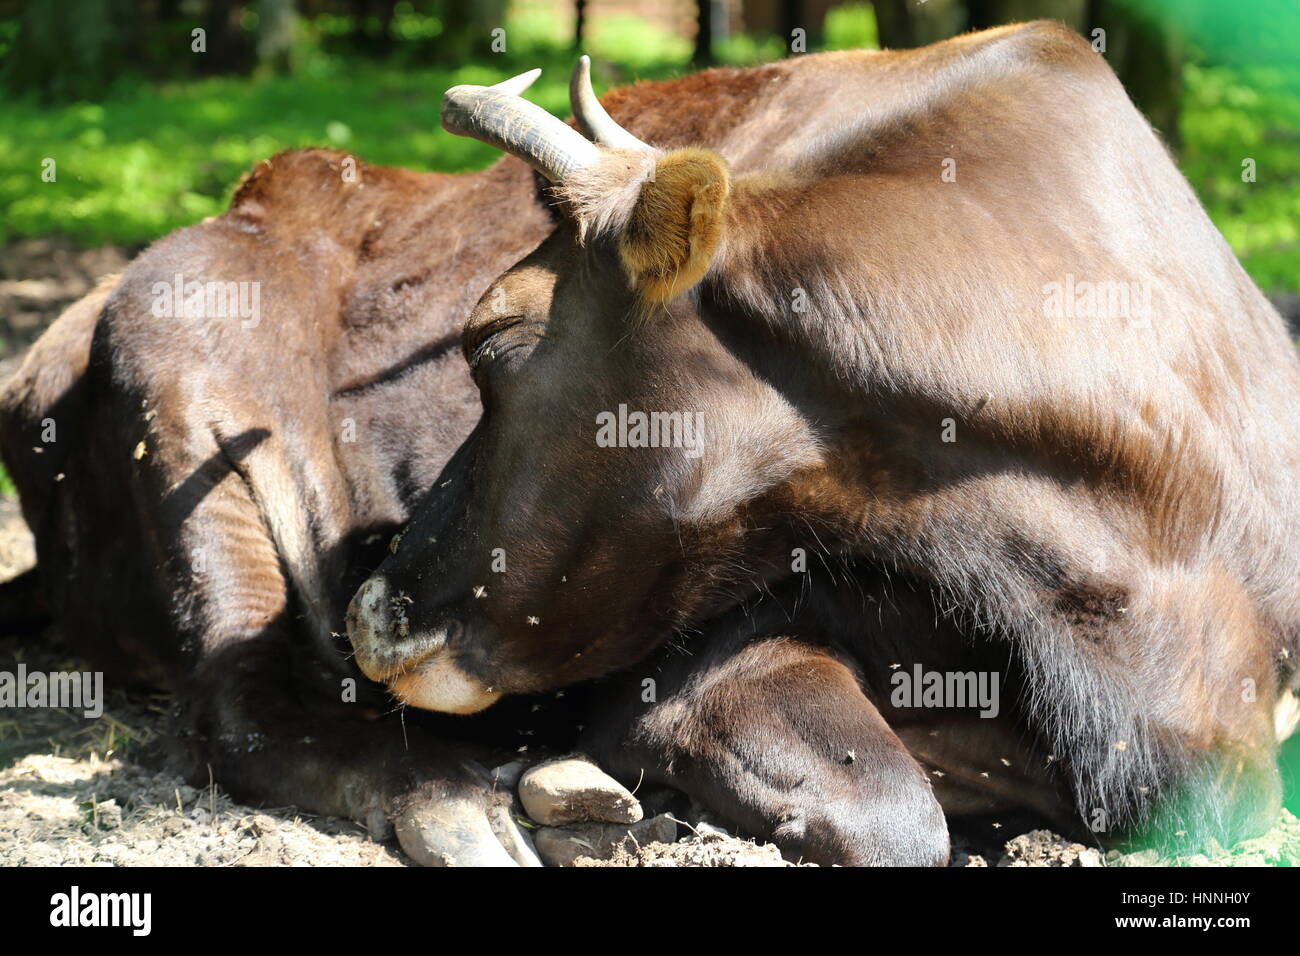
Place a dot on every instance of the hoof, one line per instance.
(461, 832)
(575, 790)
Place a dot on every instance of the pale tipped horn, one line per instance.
(591, 117)
(498, 116)
(517, 84)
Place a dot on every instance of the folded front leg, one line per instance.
(775, 737)
(252, 719)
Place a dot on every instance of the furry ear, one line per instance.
(667, 241)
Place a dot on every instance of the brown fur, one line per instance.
(219, 562)
(1105, 528)
(670, 236)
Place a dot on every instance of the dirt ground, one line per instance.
(84, 792)
(39, 278)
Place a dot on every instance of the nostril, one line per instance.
(368, 613)
(452, 630)
(438, 638)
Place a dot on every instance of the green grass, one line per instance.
(141, 163)
(1231, 114)
(1289, 761)
(148, 159)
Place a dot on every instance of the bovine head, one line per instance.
(633, 471)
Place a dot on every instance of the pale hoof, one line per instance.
(451, 832)
(575, 790)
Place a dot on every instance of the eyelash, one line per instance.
(481, 351)
(483, 347)
(485, 353)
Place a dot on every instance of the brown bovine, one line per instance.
(207, 490)
(976, 388)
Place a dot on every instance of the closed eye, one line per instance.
(478, 338)
(494, 339)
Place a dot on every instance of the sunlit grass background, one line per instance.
(148, 158)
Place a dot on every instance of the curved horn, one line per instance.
(517, 84)
(592, 119)
(498, 116)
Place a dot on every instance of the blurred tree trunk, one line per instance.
(1149, 58)
(275, 25)
(468, 26)
(702, 55)
(791, 19)
(983, 14)
(894, 24)
(376, 39)
(579, 22)
(908, 23)
(794, 14)
(64, 51)
(229, 49)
